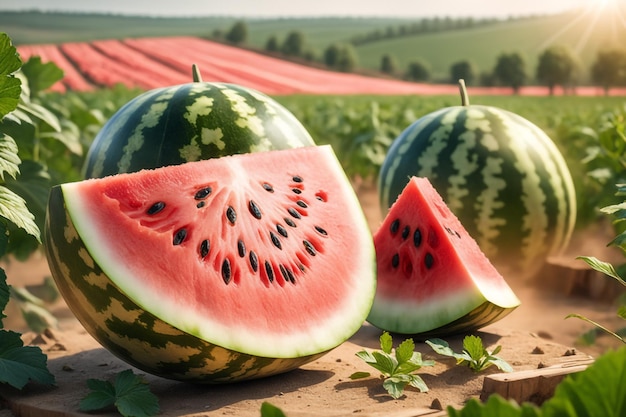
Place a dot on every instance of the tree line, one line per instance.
(557, 65)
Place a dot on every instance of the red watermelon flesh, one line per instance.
(433, 279)
(267, 254)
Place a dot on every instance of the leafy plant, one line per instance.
(596, 391)
(474, 354)
(397, 369)
(19, 364)
(270, 410)
(618, 211)
(128, 393)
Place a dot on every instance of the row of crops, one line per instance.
(591, 132)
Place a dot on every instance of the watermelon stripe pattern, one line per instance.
(500, 174)
(133, 334)
(191, 122)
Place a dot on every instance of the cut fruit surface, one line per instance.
(433, 279)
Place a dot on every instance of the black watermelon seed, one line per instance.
(291, 276)
(254, 261)
(321, 230)
(289, 222)
(155, 208)
(268, 187)
(275, 240)
(241, 248)
(200, 204)
(231, 214)
(205, 246)
(309, 248)
(395, 261)
(254, 209)
(301, 204)
(297, 178)
(296, 190)
(405, 232)
(429, 260)
(202, 193)
(395, 226)
(283, 272)
(226, 271)
(281, 230)
(294, 213)
(417, 237)
(179, 236)
(301, 267)
(270, 271)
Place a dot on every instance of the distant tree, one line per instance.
(465, 70)
(388, 64)
(218, 34)
(418, 70)
(272, 44)
(556, 66)
(510, 70)
(609, 68)
(342, 57)
(294, 44)
(238, 33)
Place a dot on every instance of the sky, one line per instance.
(293, 8)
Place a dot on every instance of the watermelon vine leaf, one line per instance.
(397, 369)
(270, 410)
(20, 364)
(474, 354)
(129, 393)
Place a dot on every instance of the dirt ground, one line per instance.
(535, 335)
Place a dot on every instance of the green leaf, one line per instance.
(500, 364)
(33, 185)
(473, 345)
(598, 325)
(269, 410)
(601, 266)
(20, 364)
(9, 161)
(13, 208)
(360, 375)
(384, 363)
(386, 342)
(41, 75)
(41, 113)
(418, 382)
(496, 406)
(404, 351)
(394, 386)
(10, 86)
(597, 391)
(129, 393)
(440, 346)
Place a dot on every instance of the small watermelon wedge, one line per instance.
(220, 270)
(433, 279)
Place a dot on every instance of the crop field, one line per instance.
(148, 63)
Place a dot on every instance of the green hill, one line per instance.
(583, 32)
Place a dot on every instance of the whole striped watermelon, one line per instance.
(190, 122)
(500, 174)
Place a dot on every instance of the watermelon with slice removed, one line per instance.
(433, 279)
(220, 270)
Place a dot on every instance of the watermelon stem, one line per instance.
(463, 91)
(195, 71)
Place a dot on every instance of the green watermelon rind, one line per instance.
(191, 122)
(330, 334)
(473, 181)
(449, 314)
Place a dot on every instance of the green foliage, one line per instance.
(510, 70)
(129, 393)
(397, 369)
(557, 66)
(609, 68)
(596, 391)
(474, 354)
(270, 410)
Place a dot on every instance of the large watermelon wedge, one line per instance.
(433, 279)
(219, 270)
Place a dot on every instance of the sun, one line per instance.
(603, 4)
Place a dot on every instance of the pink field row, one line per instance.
(149, 63)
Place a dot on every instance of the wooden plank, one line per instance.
(536, 385)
